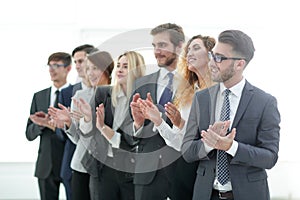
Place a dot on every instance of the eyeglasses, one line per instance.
(219, 58)
(55, 66)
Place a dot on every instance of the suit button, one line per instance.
(132, 160)
(160, 156)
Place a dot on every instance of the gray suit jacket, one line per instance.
(51, 147)
(152, 151)
(257, 124)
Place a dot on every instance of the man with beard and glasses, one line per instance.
(233, 127)
(156, 161)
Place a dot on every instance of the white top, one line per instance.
(74, 136)
(174, 136)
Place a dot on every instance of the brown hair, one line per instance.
(61, 56)
(104, 61)
(175, 31)
(188, 79)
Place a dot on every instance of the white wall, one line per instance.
(31, 30)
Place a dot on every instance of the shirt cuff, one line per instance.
(162, 127)
(136, 132)
(85, 127)
(232, 150)
(207, 148)
(115, 140)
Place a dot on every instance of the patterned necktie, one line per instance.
(55, 105)
(168, 92)
(222, 162)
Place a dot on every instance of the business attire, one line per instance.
(51, 147)
(256, 118)
(185, 172)
(155, 161)
(116, 164)
(65, 98)
(81, 178)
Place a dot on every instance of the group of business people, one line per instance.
(195, 129)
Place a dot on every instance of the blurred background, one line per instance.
(32, 30)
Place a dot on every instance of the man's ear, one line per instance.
(69, 68)
(240, 65)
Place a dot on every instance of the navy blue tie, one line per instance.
(168, 91)
(222, 162)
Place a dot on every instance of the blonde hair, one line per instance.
(136, 68)
(188, 79)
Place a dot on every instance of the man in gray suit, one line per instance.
(51, 147)
(155, 161)
(248, 139)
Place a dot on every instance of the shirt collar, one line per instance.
(163, 72)
(236, 89)
(53, 88)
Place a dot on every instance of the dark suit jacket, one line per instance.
(152, 151)
(123, 159)
(257, 123)
(51, 147)
(65, 99)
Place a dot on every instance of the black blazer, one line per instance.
(65, 99)
(123, 159)
(152, 151)
(51, 148)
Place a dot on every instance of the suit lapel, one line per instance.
(153, 90)
(244, 101)
(47, 99)
(213, 92)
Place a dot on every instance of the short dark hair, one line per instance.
(175, 31)
(240, 42)
(61, 56)
(87, 48)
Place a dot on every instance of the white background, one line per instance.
(31, 30)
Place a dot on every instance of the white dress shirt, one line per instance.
(234, 99)
(162, 82)
(53, 90)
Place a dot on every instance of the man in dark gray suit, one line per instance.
(79, 55)
(248, 139)
(51, 147)
(155, 161)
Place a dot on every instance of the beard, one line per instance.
(225, 75)
(171, 59)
